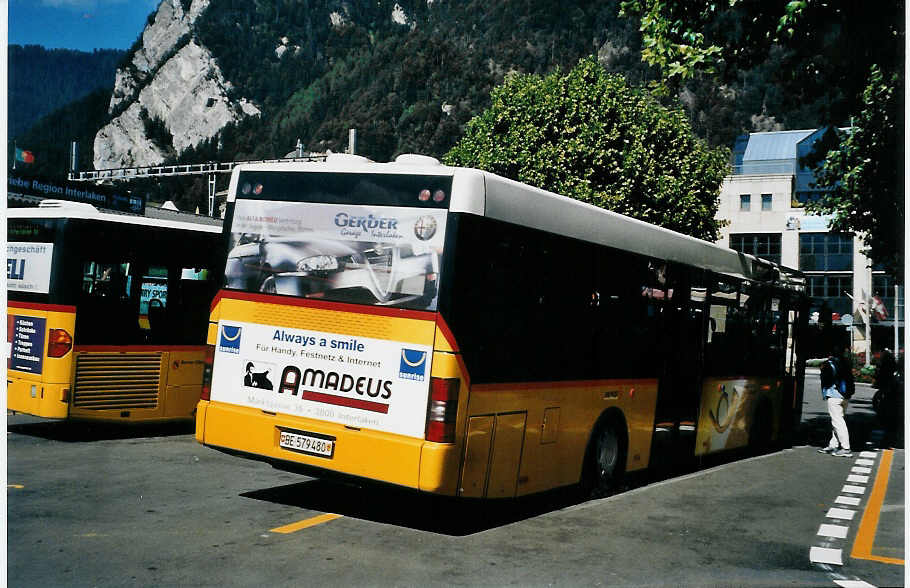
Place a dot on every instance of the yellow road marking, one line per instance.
(318, 520)
(16, 486)
(865, 536)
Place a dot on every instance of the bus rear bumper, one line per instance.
(373, 455)
(37, 398)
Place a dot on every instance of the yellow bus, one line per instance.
(462, 334)
(106, 313)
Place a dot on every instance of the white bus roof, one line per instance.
(81, 210)
(486, 194)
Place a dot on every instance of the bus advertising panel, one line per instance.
(372, 255)
(355, 381)
(28, 267)
(25, 338)
(382, 255)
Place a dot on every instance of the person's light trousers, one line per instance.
(839, 434)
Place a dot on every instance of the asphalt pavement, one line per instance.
(102, 506)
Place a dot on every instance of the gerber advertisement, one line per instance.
(380, 255)
(355, 381)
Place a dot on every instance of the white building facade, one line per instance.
(762, 203)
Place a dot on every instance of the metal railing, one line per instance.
(132, 173)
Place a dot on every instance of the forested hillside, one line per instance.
(409, 74)
(43, 80)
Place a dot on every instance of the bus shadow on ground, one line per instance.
(80, 432)
(461, 517)
(405, 508)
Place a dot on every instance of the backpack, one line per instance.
(845, 384)
(828, 372)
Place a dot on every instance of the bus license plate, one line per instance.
(308, 443)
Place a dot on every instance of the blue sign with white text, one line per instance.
(229, 341)
(413, 365)
(27, 344)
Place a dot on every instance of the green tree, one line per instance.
(865, 174)
(590, 136)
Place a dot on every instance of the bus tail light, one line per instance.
(59, 343)
(442, 410)
(209, 360)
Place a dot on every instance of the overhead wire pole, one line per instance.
(161, 171)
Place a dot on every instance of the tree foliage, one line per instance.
(591, 136)
(865, 174)
(822, 52)
(790, 63)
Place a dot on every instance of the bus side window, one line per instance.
(105, 279)
(724, 340)
(108, 308)
(627, 317)
(153, 301)
(196, 294)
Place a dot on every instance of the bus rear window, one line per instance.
(357, 253)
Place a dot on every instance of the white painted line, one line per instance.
(858, 479)
(835, 531)
(841, 513)
(859, 470)
(848, 500)
(868, 454)
(853, 489)
(853, 584)
(865, 462)
(826, 555)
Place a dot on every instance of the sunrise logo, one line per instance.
(413, 365)
(229, 342)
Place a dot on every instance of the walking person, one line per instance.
(837, 388)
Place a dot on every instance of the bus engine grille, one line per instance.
(109, 381)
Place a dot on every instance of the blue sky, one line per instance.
(78, 24)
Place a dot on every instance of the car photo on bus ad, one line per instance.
(378, 255)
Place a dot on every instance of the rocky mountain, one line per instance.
(170, 81)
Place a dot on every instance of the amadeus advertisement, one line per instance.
(380, 255)
(356, 381)
(28, 267)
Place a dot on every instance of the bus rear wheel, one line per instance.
(606, 461)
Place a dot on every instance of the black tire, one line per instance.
(605, 465)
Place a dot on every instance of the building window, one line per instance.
(822, 252)
(766, 202)
(883, 290)
(763, 245)
(830, 291)
(745, 201)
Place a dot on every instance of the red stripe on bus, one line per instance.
(450, 339)
(45, 307)
(342, 401)
(447, 333)
(137, 348)
(323, 305)
(564, 384)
